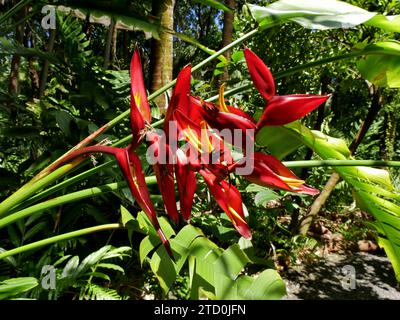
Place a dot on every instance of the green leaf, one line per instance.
(231, 262)
(311, 14)
(279, 140)
(15, 286)
(263, 197)
(386, 23)
(99, 275)
(147, 245)
(214, 4)
(70, 268)
(91, 260)
(128, 221)
(381, 70)
(164, 268)
(180, 245)
(122, 21)
(267, 286)
(35, 229)
(111, 266)
(64, 120)
(10, 260)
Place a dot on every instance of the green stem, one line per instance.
(61, 237)
(32, 187)
(341, 163)
(71, 197)
(62, 185)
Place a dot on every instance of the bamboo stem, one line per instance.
(61, 237)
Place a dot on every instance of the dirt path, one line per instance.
(360, 276)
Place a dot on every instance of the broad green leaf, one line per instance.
(381, 70)
(267, 286)
(279, 140)
(14, 286)
(225, 287)
(166, 227)
(380, 63)
(180, 245)
(231, 262)
(164, 268)
(203, 253)
(378, 176)
(61, 260)
(311, 14)
(386, 23)
(147, 245)
(373, 188)
(64, 120)
(128, 221)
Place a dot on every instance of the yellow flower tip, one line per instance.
(292, 182)
(136, 96)
(221, 100)
(234, 213)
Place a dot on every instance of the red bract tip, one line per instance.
(260, 74)
(281, 110)
(283, 173)
(230, 200)
(187, 183)
(180, 95)
(140, 108)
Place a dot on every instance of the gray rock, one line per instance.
(362, 276)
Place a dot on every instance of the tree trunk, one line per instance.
(14, 85)
(162, 50)
(334, 178)
(107, 52)
(227, 35)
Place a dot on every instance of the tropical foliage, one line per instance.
(86, 215)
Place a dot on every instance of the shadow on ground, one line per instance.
(362, 276)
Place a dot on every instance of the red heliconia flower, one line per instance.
(230, 200)
(179, 108)
(127, 159)
(180, 96)
(140, 108)
(279, 110)
(261, 75)
(222, 119)
(132, 171)
(268, 171)
(164, 173)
